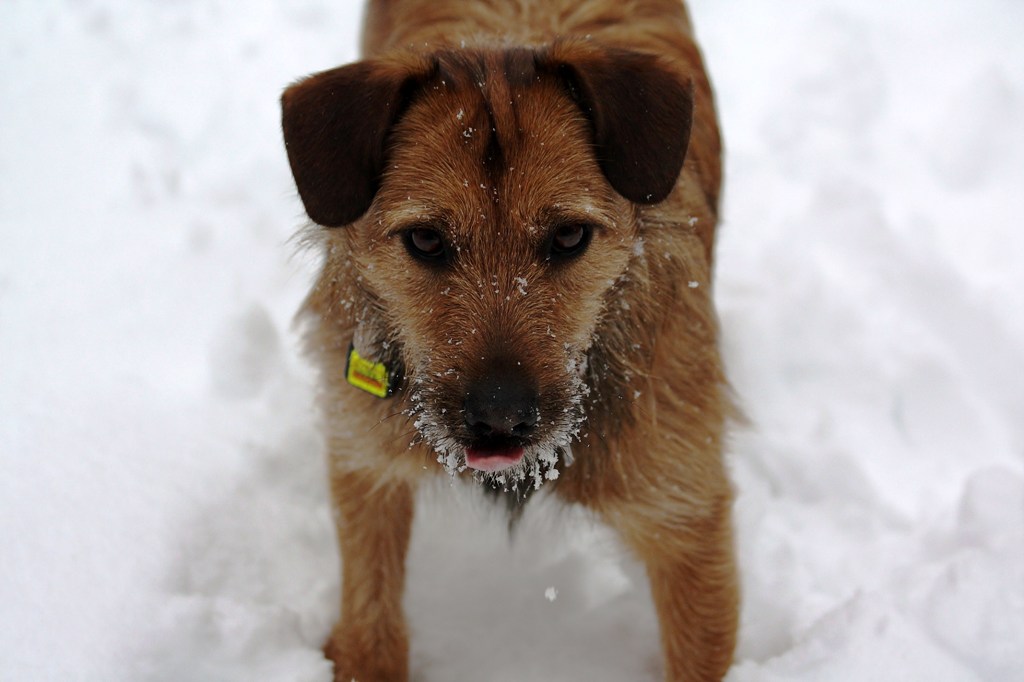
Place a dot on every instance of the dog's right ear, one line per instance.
(335, 126)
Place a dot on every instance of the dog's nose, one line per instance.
(501, 403)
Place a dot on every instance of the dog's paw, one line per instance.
(357, 660)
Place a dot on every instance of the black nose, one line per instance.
(503, 402)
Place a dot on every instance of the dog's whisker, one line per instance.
(386, 418)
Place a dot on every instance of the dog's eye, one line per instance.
(570, 240)
(425, 244)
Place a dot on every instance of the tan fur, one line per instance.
(636, 308)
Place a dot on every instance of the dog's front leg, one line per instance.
(374, 520)
(693, 582)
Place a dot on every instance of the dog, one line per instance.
(516, 202)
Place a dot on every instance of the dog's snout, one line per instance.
(501, 403)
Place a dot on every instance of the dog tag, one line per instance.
(367, 375)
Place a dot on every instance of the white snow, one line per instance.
(162, 505)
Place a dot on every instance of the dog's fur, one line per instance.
(493, 123)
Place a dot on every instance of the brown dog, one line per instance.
(518, 263)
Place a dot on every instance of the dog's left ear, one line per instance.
(641, 113)
(335, 126)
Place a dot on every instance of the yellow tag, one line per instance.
(367, 375)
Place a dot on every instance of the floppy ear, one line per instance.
(641, 113)
(335, 126)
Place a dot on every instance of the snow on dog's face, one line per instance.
(491, 241)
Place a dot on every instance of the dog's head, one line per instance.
(488, 209)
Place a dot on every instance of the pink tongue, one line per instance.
(492, 460)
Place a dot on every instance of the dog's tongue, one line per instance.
(485, 459)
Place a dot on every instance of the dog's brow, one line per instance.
(412, 213)
(587, 213)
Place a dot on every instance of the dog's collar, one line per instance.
(373, 377)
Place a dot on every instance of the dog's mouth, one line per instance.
(492, 455)
(505, 449)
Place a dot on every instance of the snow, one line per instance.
(162, 505)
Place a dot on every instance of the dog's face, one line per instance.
(493, 244)
(494, 218)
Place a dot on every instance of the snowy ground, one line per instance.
(162, 510)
